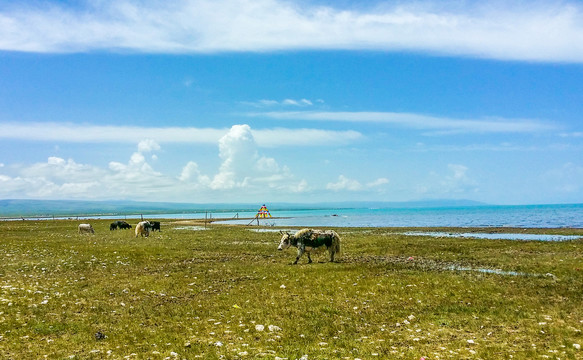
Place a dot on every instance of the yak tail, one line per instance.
(335, 242)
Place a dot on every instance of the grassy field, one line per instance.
(226, 292)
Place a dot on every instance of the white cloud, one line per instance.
(191, 174)
(378, 182)
(531, 31)
(286, 102)
(344, 183)
(575, 134)
(243, 167)
(566, 179)
(63, 170)
(238, 151)
(454, 182)
(148, 145)
(56, 177)
(457, 181)
(64, 132)
(83, 133)
(302, 102)
(59, 178)
(300, 187)
(243, 175)
(438, 125)
(305, 137)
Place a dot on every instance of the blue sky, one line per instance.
(295, 101)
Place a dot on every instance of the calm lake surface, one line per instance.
(528, 216)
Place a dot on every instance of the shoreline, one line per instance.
(446, 231)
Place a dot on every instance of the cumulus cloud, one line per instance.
(244, 167)
(59, 178)
(58, 169)
(238, 151)
(192, 175)
(55, 177)
(531, 31)
(244, 174)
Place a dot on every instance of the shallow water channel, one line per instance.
(498, 236)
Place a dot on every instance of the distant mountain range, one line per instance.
(28, 208)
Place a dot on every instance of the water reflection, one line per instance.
(497, 236)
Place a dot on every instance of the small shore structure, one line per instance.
(262, 213)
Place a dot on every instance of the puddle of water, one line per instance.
(487, 271)
(497, 271)
(191, 228)
(271, 230)
(496, 236)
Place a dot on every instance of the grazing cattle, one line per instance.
(123, 225)
(86, 229)
(143, 228)
(119, 224)
(155, 225)
(307, 240)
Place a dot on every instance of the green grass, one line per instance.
(200, 294)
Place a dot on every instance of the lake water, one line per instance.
(528, 216)
(497, 236)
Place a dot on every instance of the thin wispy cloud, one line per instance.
(265, 103)
(436, 125)
(531, 31)
(62, 132)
